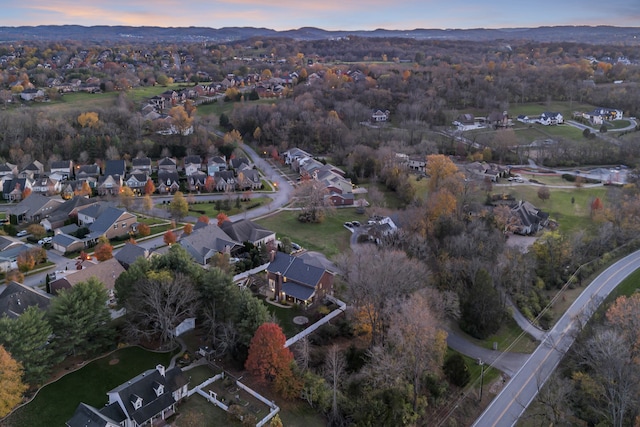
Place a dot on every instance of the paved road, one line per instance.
(515, 397)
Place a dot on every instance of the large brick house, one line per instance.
(294, 280)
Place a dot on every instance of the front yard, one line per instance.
(57, 401)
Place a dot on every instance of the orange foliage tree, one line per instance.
(170, 237)
(203, 218)
(269, 360)
(144, 230)
(222, 218)
(149, 187)
(188, 229)
(210, 184)
(103, 252)
(622, 315)
(26, 193)
(11, 385)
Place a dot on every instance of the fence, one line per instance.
(341, 308)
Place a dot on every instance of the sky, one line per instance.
(326, 14)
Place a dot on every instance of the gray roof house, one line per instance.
(141, 164)
(113, 222)
(15, 298)
(144, 400)
(115, 167)
(34, 208)
(129, 253)
(208, 241)
(245, 230)
(292, 279)
(63, 167)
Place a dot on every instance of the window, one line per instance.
(115, 226)
(124, 225)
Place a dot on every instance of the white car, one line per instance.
(22, 233)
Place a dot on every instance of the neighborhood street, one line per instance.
(523, 387)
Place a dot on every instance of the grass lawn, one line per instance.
(570, 216)
(57, 401)
(508, 334)
(152, 221)
(475, 370)
(618, 124)
(285, 317)
(564, 131)
(330, 237)
(390, 198)
(209, 208)
(537, 108)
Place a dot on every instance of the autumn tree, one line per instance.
(127, 197)
(149, 187)
(170, 237)
(104, 251)
(89, 119)
(544, 193)
(209, 184)
(179, 207)
(144, 230)
(203, 219)
(26, 193)
(37, 231)
(443, 172)
(222, 218)
(188, 229)
(596, 207)
(11, 386)
(147, 204)
(269, 360)
(376, 278)
(312, 199)
(181, 119)
(85, 190)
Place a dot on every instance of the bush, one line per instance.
(568, 177)
(456, 370)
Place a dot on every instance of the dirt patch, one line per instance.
(521, 242)
(114, 361)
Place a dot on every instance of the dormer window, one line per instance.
(136, 401)
(158, 388)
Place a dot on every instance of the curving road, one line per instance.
(515, 397)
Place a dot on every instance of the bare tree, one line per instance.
(312, 199)
(376, 278)
(334, 368)
(302, 353)
(159, 304)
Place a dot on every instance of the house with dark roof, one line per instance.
(89, 213)
(528, 218)
(83, 172)
(168, 181)
(66, 243)
(196, 181)
(33, 168)
(34, 208)
(208, 241)
(549, 118)
(216, 164)
(146, 399)
(249, 179)
(192, 165)
(115, 167)
(63, 168)
(109, 185)
(292, 279)
(239, 162)
(141, 164)
(245, 230)
(136, 181)
(12, 188)
(15, 298)
(225, 180)
(7, 169)
(167, 164)
(129, 253)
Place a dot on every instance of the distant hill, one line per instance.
(580, 34)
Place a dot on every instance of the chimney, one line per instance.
(160, 369)
(278, 289)
(272, 255)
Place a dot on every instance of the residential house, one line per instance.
(417, 164)
(46, 185)
(499, 120)
(225, 181)
(136, 181)
(130, 253)
(292, 279)
(528, 218)
(12, 188)
(196, 181)
(115, 167)
(32, 94)
(167, 164)
(216, 164)
(192, 165)
(106, 272)
(168, 182)
(550, 118)
(109, 185)
(63, 168)
(34, 208)
(249, 180)
(7, 169)
(66, 243)
(142, 164)
(525, 119)
(239, 163)
(599, 115)
(86, 172)
(380, 116)
(32, 169)
(209, 240)
(7, 242)
(295, 154)
(147, 399)
(90, 213)
(245, 230)
(112, 223)
(15, 298)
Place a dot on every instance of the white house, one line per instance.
(550, 118)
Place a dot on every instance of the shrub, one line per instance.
(456, 370)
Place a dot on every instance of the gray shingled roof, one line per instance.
(88, 416)
(15, 298)
(245, 230)
(296, 270)
(206, 242)
(129, 253)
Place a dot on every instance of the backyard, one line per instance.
(57, 401)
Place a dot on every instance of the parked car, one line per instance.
(356, 223)
(348, 224)
(295, 246)
(22, 233)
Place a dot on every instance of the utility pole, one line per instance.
(481, 377)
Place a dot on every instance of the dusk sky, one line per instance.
(326, 14)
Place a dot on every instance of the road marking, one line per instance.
(560, 337)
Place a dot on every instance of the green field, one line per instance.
(57, 401)
(329, 237)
